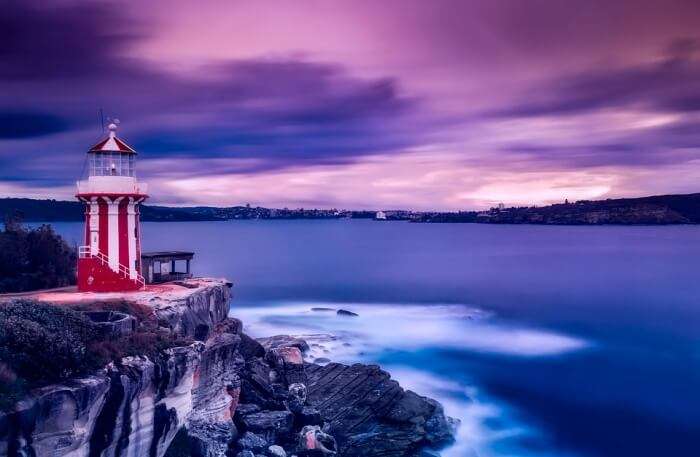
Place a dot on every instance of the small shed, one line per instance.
(164, 266)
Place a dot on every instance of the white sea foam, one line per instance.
(409, 327)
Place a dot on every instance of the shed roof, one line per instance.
(167, 254)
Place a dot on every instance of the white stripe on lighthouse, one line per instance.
(113, 233)
(94, 226)
(131, 224)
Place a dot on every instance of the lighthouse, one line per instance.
(109, 260)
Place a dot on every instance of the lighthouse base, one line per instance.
(96, 276)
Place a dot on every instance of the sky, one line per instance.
(398, 104)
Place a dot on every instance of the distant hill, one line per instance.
(655, 210)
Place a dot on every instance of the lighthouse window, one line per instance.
(111, 164)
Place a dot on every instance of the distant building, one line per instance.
(380, 216)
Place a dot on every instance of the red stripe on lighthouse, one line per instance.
(104, 226)
(124, 233)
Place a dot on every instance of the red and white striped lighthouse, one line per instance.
(110, 260)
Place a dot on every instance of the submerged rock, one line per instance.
(344, 312)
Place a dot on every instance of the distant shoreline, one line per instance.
(653, 210)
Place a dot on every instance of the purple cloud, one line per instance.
(485, 85)
(673, 84)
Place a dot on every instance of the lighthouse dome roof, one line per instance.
(112, 143)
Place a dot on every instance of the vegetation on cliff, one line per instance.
(42, 343)
(38, 343)
(34, 258)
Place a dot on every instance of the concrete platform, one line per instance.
(183, 306)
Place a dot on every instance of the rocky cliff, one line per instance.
(226, 395)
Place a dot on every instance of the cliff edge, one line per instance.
(224, 394)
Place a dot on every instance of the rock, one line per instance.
(188, 311)
(314, 442)
(245, 453)
(244, 409)
(255, 384)
(308, 416)
(276, 451)
(322, 360)
(369, 414)
(57, 419)
(252, 442)
(296, 398)
(438, 427)
(274, 426)
(280, 422)
(186, 284)
(250, 348)
(344, 312)
(281, 341)
(216, 396)
(288, 363)
(189, 445)
(280, 392)
(229, 325)
(322, 309)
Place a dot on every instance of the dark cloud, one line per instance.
(44, 41)
(70, 61)
(21, 124)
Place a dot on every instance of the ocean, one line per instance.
(543, 341)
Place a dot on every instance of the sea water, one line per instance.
(543, 341)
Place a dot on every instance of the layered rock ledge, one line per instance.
(226, 395)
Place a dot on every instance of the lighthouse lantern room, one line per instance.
(110, 259)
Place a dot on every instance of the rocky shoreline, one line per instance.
(225, 395)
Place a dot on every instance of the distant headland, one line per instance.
(653, 210)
